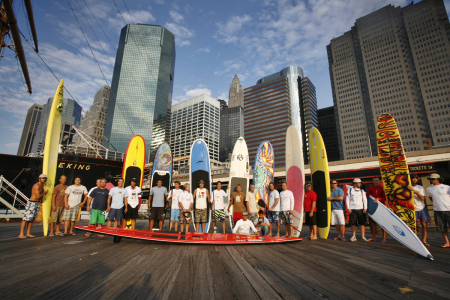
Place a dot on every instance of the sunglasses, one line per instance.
(334, 183)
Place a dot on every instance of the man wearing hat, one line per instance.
(201, 196)
(33, 206)
(310, 211)
(244, 225)
(134, 202)
(356, 202)
(439, 194)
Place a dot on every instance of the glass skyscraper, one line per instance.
(231, 128)
(141, 90)
(30, 129)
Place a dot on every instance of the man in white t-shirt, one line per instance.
(252, 205)
(174, 196)
(244, 226)
(186, 203)
(201, 198)
(218, 213)
(356, 202)
(274, 208)
(134, 202)
(72, 200)
(117, 200)
(440, 195)
(420, 206)
(287, 209)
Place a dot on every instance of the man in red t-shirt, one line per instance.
(310, 211)
(376, 191)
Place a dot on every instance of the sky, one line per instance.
(214, 40)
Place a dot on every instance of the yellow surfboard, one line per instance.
(320, 177)
(51, 150)
(134, 163)
(394, 171)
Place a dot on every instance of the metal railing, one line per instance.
(18, 198)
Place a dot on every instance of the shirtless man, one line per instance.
(33, 206)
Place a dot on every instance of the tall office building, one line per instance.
(231, 128)
(196, 118)
(30, 129)
(236, 94)
(267, 116)
(302, 94)
(71, 115)
(223, 103)
(93, 123)
(394, 60)
(141, 89)
(327, 128)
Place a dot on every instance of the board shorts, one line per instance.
(57, 216)
(310, 221)
(71, 214)
(286, 217)
(97, 217)
(236, 217)
(337, 217)
(115, 214)
(273, 216)
(156, 213)
(175, 214)
(132, 213)
(253, 217)
(423, 216)
(31, 211)
(185, 217)
(201, 215)
(218, 215)
(358, 217)
(442, 219)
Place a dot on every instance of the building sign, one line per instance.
(428, 167)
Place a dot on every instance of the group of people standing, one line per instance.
(114, 206)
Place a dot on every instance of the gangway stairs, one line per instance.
(18, 199)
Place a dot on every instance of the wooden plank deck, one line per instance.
(96, 268)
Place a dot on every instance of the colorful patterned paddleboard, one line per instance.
(134, 163)
(320, 181)
(263, 171)
(189, 238)
(51, 150)
(394, 171)
(295, 175)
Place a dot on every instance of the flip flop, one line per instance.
(344, 240)
(72, 233)
(426, 244)
(63, 234)
(445, 246)
(335, 239)
(51, 234)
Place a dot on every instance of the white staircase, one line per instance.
(18, 198)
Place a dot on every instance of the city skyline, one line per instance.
(213, 41)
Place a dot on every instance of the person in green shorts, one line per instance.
(100, 196)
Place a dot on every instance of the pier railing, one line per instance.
(17, 197)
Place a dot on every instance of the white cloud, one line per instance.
(206, 49)
(12, 145)
(135, 16)
(227, 32)
(200, 90)
(159, 1)
(176, 16)
(223, 96)
(181, 33)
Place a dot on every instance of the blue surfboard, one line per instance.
(200, 169)
(396, 227)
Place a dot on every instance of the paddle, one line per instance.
(261, 203)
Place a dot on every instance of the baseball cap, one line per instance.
(201, 181)
(308, 184)
(436, 176)
(356, 180)
(42, 176)
(245, 213)
(133, 179)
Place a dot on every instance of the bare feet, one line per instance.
(270, 235)
(313, 239)
(30, 236)
(100, 235)
(383, 240)
(426, 244)
(277, 236)
(51, 234)
(286, 236)
(446, 246)
(87, 234)
(338, 238)
(22, 236)
(373, 240)
(58, 232)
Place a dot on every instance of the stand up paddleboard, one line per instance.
(394, 171)
(263, 171)
(162, 170)
(239, 170)
(320, 181)
(51, 150)
(200, 169)
(396, 227)
(295, 175)
(134, 163)
(189, 238)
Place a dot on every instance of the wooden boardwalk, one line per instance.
(77, 267)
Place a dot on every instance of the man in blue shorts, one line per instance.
(174, 196)
(156, 203)
(274, 209)
(337, 210)
(115, 208)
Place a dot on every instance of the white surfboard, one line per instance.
(295, 175)
(239, 171)
(396, 227)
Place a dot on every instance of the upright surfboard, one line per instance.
(51, 150)
(162, 170)
(263, 171)
(239, 170)
(394, 170)
(200, 169)
(295, 175)
(396, 227)
(320, 176)
(134, 163)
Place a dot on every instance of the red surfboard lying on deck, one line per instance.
(189, 238)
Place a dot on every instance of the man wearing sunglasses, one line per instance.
(337, 210)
